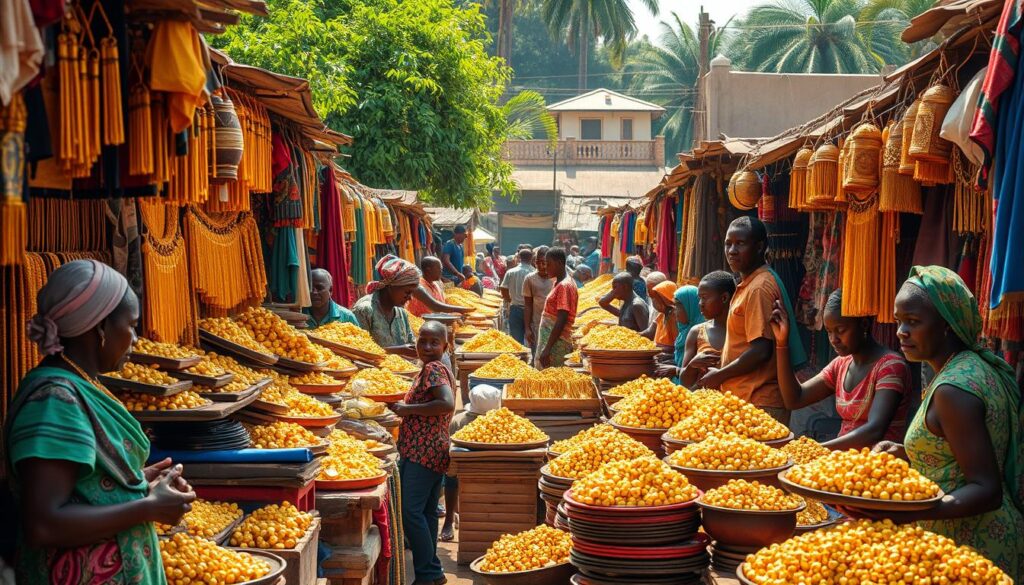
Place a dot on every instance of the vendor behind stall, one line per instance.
(429, 295)
(381, 311)
(324, 310)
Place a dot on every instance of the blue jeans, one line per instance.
(517, 323)
(421, 490)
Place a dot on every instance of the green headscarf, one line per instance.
(687, 297)
(959, 309)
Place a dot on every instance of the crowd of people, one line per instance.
(79, 459)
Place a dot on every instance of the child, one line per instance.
(482, 399)
(470, 281)
(423, 444)
(704, 341)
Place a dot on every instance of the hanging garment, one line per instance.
(21, 48)
(176, 64)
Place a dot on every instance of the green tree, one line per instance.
(668, 72)
(528, 117)
(884, 20)
(412, 83)
(805, 36)
(581, 21)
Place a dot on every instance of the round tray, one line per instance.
(164, 363)
(632, 510)
(277, 566)
(695, 546)
(672, 444)
(296, 365)
(259, 357)
(834, 518)
(319, 388)
(342, 374)
(313, 422)
(553, 575)
(708, 479)
(555, 480)
(486, 356)
(621, 353)
(350, 484)
(446, 318)
(347, 351)
(741, 577)
(474, 446)
(748, 528)
(386, 398)
(858, 502)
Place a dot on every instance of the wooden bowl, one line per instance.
(747, 528)
(474, 446)
(709, 479)
(858, 502)
(672, 445)
(620, 371)
(553, 575)
(651, 438)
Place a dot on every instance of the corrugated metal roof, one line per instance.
(580, 213)
(605, 100)
(612, 181)
(448, 217)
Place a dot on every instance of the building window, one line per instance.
(590, 129)
(627, 129)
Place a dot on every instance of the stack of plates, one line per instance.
(725, 559)
(552, 488)
(624, 545)
(215, 435)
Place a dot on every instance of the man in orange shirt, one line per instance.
(748, 357)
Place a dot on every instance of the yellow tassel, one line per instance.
(861, 258)
(931, 173)
(887, 267)
(909, 119)
(13, 218)
(823, 175)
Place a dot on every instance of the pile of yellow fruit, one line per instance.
(136, 402)
(504, 367)
(349, 465)
(313, 378)
(207, 367)
(585, 330)
(564, 383)
(657, 407)
(638, 384)
(227, 329)
(871, 552)
(398, 365)
(740, 494)
(645, 481)
(242, 373)
(593, 316)
(540, 547)
(143, 374)
(281, 435)
(728, 414)
(337, 363)
(814, 513)
(189, 560)
(342, 442)
(492, 340)
(589, 456)
(233, 386)
(594, 432)
(161, 349)
(865, 474)
(280, 338)
(350, 335)
(500, 426)
(805, 450)
(728, 453)
(272, 526)
(208, 519)
(379, 382)
(282, 393)
(574, 358)
(415, 323)
(616, 338)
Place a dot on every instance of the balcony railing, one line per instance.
(587, 152)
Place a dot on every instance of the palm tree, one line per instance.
(583, 21)
(527, 116)
(806, 36)
(671, 68)
(885, 20)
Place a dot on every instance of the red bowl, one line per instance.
(696, 546)
(630, 510)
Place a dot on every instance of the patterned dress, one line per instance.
(998, 534)
(425, 439)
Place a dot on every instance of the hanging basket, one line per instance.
(864, 149)
(823, 178)
(909, 119)
(228, 138)
(798, 180)
(744, 190)
(930, 152)
(897, 192)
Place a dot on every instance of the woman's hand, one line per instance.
(779, 322)
(398, 408)
(705, 361)
(710, 379)
(166, 503)
(666, 370)
(892, 449)
(161, 468)
(545, 358)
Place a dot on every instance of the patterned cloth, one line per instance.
(435, 289)
(979, 372)
(386, 332)
(564, 296)
(687, 297)
(394, 271)
(58, 415)
(424, 439)
(890, 372)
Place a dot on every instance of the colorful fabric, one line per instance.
(890, 372)
(469, 283)
(58, 415)
(76, 298)
(687, 297)
(436, 291)
(394, 271)
(386, 332)
(666, 332)
(704, 340)
(424, 439)
(1002, 72)
(749, 315)
(495, 267)
(559, 349)
(332, 254)
(564, 296)
(335, 314)
(797, 353)
(176, 65)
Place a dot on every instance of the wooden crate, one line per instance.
(348, 529)
(582, 408)
(301, 567)
(353, 564)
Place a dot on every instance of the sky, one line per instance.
(720, 10)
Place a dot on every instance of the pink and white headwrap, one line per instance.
(394, 271)
(75, 298)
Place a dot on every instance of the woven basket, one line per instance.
(926, 144)
(744, 190)
(909, 119)
(864, 158)
(823, 178)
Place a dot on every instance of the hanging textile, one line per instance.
(332, 253)
(286, 197)
(21, 48)
(361, 251)
(666, 235)
(13, 213)
(937, 244)
(707, 251)
(887, 267)
(861, 255)
(175, 60)
(225, 259)
(168, 305)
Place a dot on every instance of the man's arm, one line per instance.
(606, 303)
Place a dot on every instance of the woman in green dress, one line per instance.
(966, 436)
(86, 500)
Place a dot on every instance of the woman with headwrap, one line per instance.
(494, 266)
(77, 457)
(663, 330)
(382, 310)
(967, 433)
(701, 313)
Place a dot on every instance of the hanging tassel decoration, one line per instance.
(823, 178)
(798, 180)
(13, 213)
(897, 192)
(169, 308)
(225, 259)
(861, 258)
(865, 154)
(887, 267)
(969, 204)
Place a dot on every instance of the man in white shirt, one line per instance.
(512, 292)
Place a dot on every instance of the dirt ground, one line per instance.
(447, 552)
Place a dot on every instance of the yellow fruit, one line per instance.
(805, 450)
(728, 453)
(586, 457)
(504, 367)
(581, 437)
(645, 481)
(865, 474)
(137, 402)
(415, 323)
(281, 435)
(196, 561)
(280, 338)
(350, 335)
(399, 365)
(638, 384)
(208, 519)
(813, 514)
(143, 374)
(346, 462)
(379, 382)
(657, 407)
(313, 378)
(871, 552)
(281, 392)
(492, 340)
(273, 526)
(741, 494)
(500, 426)
(724, 414)
(161, 349)
(537, 548)
(243, 374)
(227, 329)
(615, 337)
